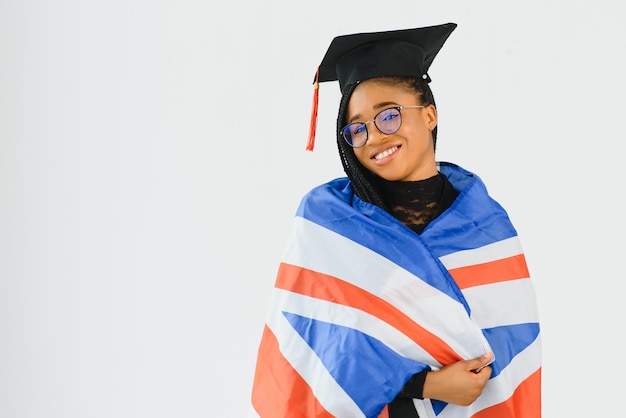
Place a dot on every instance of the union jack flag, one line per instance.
(361, 303)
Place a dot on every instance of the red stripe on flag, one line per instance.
(525, 402)
(511, 268)
(278, 390)
(321, 286)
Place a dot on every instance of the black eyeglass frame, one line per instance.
(344, 130)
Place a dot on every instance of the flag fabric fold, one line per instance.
(361, 303)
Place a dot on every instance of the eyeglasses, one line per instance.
(387, 121)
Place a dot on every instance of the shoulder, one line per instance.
(472, 190)
(340, 188)
(457, 175)
(334, 193)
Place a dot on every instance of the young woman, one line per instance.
(403, 291)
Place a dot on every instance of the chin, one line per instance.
(389, 176)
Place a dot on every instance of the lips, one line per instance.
(387, 152)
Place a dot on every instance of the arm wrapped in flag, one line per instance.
(361, 303)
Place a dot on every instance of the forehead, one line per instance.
(373, 94)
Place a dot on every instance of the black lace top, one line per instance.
(417, 203)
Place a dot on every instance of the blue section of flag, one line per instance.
(333, 206)
(335, 346)
(489, 221)
(438, 405)
(508, 341)
(474, 220)
(330, 207)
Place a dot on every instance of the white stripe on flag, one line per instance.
(325, 251)
(304, 360)
(424, 408)
(503, 303)
(352, 318)
(498, 250)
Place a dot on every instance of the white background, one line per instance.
(152, 158)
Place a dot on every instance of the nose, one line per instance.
(374, 135)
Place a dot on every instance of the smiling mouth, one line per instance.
(385, 153)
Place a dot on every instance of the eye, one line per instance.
(357, 128)
(388, 115)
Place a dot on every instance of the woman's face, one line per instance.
(405, 155)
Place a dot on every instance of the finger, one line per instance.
(485, 372)
(487, 357)
(478, 363)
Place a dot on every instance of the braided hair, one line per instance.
(364, 181)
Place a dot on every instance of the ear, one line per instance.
(430, 116)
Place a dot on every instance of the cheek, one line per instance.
(361, 156)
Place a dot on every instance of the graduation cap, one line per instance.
(361, 56)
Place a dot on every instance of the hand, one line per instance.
(459, 383)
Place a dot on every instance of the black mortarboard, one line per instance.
(358, 57)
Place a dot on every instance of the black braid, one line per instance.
(359, 176)
(363, 181)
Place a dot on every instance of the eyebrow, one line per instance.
(375, 107)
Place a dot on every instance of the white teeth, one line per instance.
(385, 153)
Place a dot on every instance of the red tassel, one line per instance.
(313, 127)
